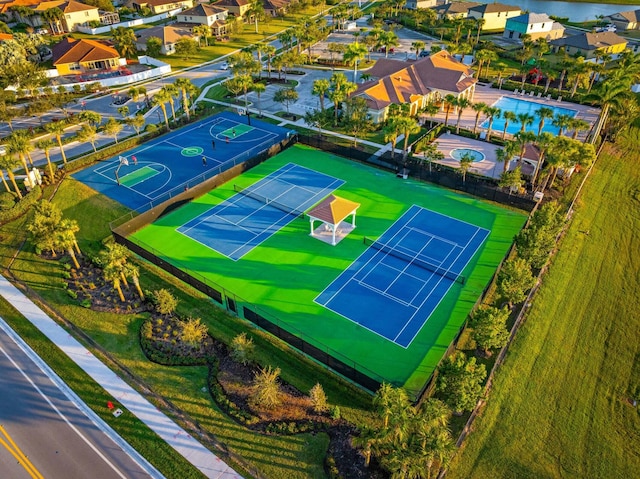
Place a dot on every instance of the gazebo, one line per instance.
(331, 212)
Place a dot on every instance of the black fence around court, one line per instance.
(442, 175)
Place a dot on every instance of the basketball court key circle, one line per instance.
(191, 151)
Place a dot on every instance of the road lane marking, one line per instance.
(16, 452)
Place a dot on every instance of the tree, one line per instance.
(318, 399)
(459, 382)
(45, 145)
(391, 131)
(354, 53)
(187, 89)
(242, 349)
(320, 88)
(430, 153)
(511, 179)
(608, 94)
(492, 113)
(449, 102)
(523, 138)
(335, 48)
(269, 51)
(490, 328)
(113, 128)
(341, 89)
(408, 125)
(165, 302)
(484, 56)
(543, 113)
(388, 40)
(319, 119)
(193, 332)
(113, 275)
(417, 47)
(133, 272)
(88, 133)
(286, 96)
(562, 122)
(8, 163)
(525, 119)
(186, 47)
(91, 117)
(18, 142)
(203, 32)
(515, 280)
(160, 99)
(259, 88)
(65, 239)
(537, 240)
(45, 218)
(256, 10)
(53, 17)
(125, 41)
(136, 121)
(357, 118)
(265, 390)
(153, 47)
(479, 108)
(57, 129)
(124, 111)
(508, 117)
(461, 104)
(466, 161)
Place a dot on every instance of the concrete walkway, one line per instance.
(194, 452)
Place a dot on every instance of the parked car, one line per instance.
(384, 49)
(42, 31)
(423, 54)
(3, 150)
(607, 28)
(224, 66)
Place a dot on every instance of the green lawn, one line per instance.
(284, 274)
(559, 405)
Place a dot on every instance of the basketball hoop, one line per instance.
(241, 111)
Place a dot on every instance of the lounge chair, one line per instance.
(549, 96)
(539, 95)
(515, 92)
(522, 92)
(531, 93)
(560, 98)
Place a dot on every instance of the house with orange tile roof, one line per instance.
(74, 13)
(168, 35)
(238, 8)
(415, 83)
(72, 56)
(162, 6)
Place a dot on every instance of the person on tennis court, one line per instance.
(135, 160)
(204, 161)
(226, 138)
(213, 144)
(234, 132)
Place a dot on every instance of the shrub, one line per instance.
(165, 302)
(242, 349)
(318, 399)
(22, 206)
(193, 332)
(266, 391)
(7, 200)
(335, 413)
(72, 294)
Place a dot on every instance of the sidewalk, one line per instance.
(194, 452)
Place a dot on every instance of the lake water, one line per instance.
(576, 12)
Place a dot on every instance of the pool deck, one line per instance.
(490, 95)
(488, 167)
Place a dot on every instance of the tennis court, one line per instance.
(156, 170)
(402, 277)
(281, 277)
(239, 224)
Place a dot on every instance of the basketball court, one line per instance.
(161, 168)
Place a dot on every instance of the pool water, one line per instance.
(458, 153)
(523, 106)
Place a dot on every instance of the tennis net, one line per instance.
(414, 259)
(268, 201)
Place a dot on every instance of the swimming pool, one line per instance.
(458, 153)
(523, 106)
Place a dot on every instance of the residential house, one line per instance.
(275, 7)
(73, 14)
(237, 8)
(109, 18)
(415, 4)
(536, 25)
(495, 15)
(162, 6)
(590, 45)
(168, 35)
(629, 20)
(72, 56)
(7, 10)
(451, 10)
(415, 83)
(204, 14)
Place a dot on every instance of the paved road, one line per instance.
(57, 438)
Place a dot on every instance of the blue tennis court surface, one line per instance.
(397, 283)
(242, 222)
(163, 167)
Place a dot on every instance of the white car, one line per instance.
(224, 66)
(42, 31)
(3, 150)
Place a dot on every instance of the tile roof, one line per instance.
(402, 82)
(5, 6)
(67, 6)
(157, 3)
(6, 36)
(590, 40)
(494, 8)
(203, 10)
(454, 7)
(232, 3)
(167, 34)
(333, 209)
(629, 16)
(78, 51)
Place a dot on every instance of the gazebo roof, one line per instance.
(333, 209)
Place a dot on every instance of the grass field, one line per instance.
(285, 273)
(560, 406)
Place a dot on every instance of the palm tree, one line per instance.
(258, 89)
(125, 41)
(543, 113)
(65, 239)
(562, 122)
(492, 113)
(578, 70)
(88, 133)
(160, 98)
(609, 93)
(523, 138)
(449, 102)
(133, 272)
(269, 51)
(19, 143)
(408, 126)
(186, 88)
(320, 88)
(391, 132)
(256, 10)
(461, 104)
(342, 88)
(202, 31)
(544, 141)
(388, 40)
(9, 163)
(465, 164)
(57, 129)
(479, 108)
(565, 65)
(508, 116)
(353, 55)
(525, 119)
(578, 125)
(172, 92)
(45, 145)
(417, 46)
(113, 275)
